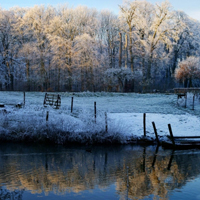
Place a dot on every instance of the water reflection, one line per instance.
(137, 172)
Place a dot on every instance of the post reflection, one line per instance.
(137, 172)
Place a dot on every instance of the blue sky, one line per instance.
(191, 7)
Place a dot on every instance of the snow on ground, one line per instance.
(124, 117)
(132, 124)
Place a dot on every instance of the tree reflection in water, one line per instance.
(10, 195)
(137, 172)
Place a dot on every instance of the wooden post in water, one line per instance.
(24, 98)
(95, 111)
(171, 134)
(155, 156)
(156, 134)
(106, 122)
(144, 159)
(127, 182)
(144, 124)
(72, 102)
(170, 161)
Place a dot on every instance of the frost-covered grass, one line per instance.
(124, 117)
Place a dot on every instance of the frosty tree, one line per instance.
(188, 70)
(121, 75)
(86, 60)
(151, 30)
(69, 49)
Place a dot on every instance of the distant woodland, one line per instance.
(144, 48)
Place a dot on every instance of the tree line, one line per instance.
(82, 49)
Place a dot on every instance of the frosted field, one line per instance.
(124, 113)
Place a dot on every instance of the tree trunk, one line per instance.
(131, 51)
(126, 50)
(28, 74)
(131, 58)
(42, 73)
(109, 49)
(149, 67)
(120, 50)
(190, 82)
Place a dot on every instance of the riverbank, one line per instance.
(122, 123)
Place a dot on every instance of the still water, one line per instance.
(97, 172)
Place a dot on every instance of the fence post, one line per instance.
(106, 122)
(144, 124)
(186, 100)
(193, 102)
(47, 116)
(177, 100)
(45, 99)
(95, 111)
(155, 131)
(171, 134)
(47, 125)
(72, 102)
(24, 98)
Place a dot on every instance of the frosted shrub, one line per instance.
(29, 125)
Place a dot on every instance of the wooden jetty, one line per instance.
(177, 142)
(181, 145)
(181, 142)
(183, 91)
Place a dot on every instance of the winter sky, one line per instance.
(191, 7)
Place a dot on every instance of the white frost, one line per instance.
(124, 117)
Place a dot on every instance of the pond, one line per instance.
(97, 172)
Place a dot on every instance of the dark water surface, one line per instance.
(101, 172)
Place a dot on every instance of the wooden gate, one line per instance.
(53, 100)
